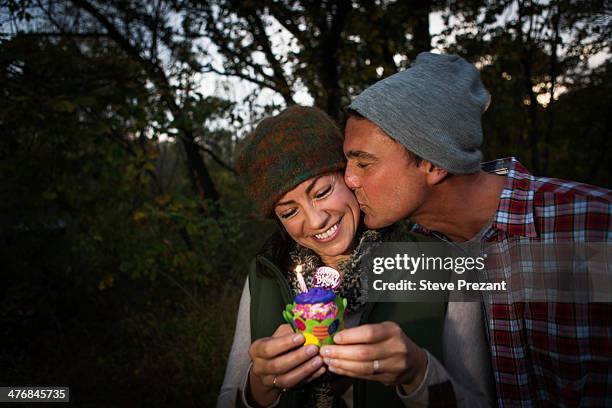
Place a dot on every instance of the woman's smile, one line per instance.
(330, 234)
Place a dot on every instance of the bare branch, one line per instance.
(260, 36)
(285, 18)
(241, 76)
(63, 34)
(217, 159)
(156, 73)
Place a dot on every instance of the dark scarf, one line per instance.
(352, 288)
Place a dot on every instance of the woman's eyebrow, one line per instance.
(285, 203)
(311, 185)
(308, 189)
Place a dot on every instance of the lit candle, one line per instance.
(300, 279)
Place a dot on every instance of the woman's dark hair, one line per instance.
(276, 248)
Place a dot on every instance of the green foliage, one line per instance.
(122, 268)
(180, 237)
(103, 236)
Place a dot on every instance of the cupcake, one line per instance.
(318, 314)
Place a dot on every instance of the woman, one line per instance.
(291, 167)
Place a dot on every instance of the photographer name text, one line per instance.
(424, 284)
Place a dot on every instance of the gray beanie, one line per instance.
(433, 108)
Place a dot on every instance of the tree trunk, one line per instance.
(526, 58)
(201, 181)
(553, 82)
(329, 70)
(421, 38)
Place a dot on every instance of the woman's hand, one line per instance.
(279, 362)
(377, 352)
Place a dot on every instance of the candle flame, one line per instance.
(300, 278)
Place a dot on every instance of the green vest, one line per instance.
(422, 322)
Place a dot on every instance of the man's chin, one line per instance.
(374, 223)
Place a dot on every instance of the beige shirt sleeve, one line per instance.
(238, 362)
(466, 360)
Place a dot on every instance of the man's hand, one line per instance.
(377, 352)
(279, 362)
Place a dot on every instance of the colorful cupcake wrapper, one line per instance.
(317, 332)
(316, 311)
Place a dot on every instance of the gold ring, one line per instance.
(276, 385)
(376, 366)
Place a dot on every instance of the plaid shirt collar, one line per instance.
(514, 214)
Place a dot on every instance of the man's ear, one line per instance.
(434, 174)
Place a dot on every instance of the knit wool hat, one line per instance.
(286, 150)
(433, 108)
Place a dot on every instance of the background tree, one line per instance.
(333, 48)
(112, 273)
(125, 234)
(531, 53)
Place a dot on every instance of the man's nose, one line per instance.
(351, 180)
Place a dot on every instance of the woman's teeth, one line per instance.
(327, 233)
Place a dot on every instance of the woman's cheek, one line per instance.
(294, 229)
(350, 199)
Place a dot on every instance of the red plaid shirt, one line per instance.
(550, 354)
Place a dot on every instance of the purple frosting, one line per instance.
(315, 295)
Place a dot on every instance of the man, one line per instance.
(413, 149)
